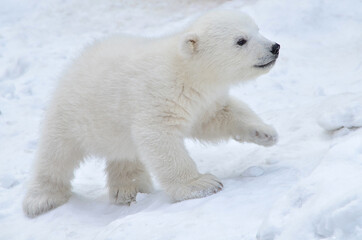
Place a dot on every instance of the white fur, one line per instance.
(134, 100)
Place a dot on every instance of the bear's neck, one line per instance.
(205, 81)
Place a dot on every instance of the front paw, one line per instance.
(264, 135)
(205, 185)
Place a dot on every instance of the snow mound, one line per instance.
(253, 171)
(325, 205)
(341, 111)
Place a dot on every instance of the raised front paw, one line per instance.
(264, 135)
(205, 185)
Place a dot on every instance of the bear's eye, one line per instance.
(241, 42)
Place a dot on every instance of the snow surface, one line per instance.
(307, 187)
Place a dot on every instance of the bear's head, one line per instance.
(228, 44)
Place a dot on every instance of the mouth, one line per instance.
(266, 64)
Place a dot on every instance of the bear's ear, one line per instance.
(190, 44)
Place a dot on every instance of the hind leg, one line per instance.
(50, 185)
(125, 178)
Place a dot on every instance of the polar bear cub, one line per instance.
(133, 101)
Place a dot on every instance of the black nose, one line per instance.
(275, 49)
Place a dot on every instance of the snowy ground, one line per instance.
(308, 187)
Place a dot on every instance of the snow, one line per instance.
(341, 111)
(305, 187)
(327, 204)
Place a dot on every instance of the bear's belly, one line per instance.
(111, 143)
